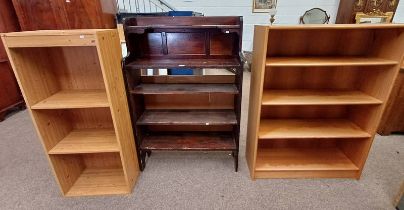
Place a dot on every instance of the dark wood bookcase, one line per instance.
(196, 112)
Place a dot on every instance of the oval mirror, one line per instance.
(315, 16)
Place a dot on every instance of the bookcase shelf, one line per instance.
(79, 107)
(188, 117)
(298, 159)
(315, 103)
(309, 128)
(189, 140)
(87, 141)
(312, 61)
(70, 99)
(197, 111)
(316, 97)
(99, 182)
(148, 89)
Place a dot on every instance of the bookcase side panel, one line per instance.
(109, 50)
(256, 85)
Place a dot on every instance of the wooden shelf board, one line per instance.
(316, 97)
(99, 182)
(87, 141)
(69, 99)
(149, 89)
(309, 128)
(327, 61)
(183, 63)
(188, 117)
(188, 141)
(303, 159)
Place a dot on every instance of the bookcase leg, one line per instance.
(142, 159)
(2, 116)
(235, 156)
(148, 152)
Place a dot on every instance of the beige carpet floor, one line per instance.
(196, 180)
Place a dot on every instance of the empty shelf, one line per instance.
(309, 128)
(327, 61)
(184, 88)
(302, 159)
(87, 141)
(183, 63)
(69, 99)
(188, 117)
(188, 141)
(316, 97)
(99, 182)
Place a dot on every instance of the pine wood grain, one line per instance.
(316, 97)
(302, 159)
(87, 141)
(99, 182)
(327, 61)
(68, 99)
(309, 128)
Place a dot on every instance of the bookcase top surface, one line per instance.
(183, 21)
(333, 26)
(56, 32)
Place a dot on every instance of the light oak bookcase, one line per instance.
(74, 89)
(317, 96)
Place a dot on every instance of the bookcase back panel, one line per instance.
(319, 42)
(341, 78)
(374, 82)
(303, 112)
(194, 101)
(170, 44)
(300, 143)
(102, 160)
(47, 70)
(356, 149)
(194, 42)
(74, 66)
(91, 118)
(54, 125)
(37, 79)
(69, 168)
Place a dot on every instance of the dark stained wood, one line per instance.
(196, 112)
(184, 88)
(189, 141)
(188, 117)
(10, 95)
(183, 63)
(348, 8)
(190, 101)
(38, 14)
(184, 21)
(62, 14)
(183, 42)
(393, 117)
(194, 79)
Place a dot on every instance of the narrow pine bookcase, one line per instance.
(74, 90)
(317, 96)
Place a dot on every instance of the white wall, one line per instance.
(399, 16)
(288, 12)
